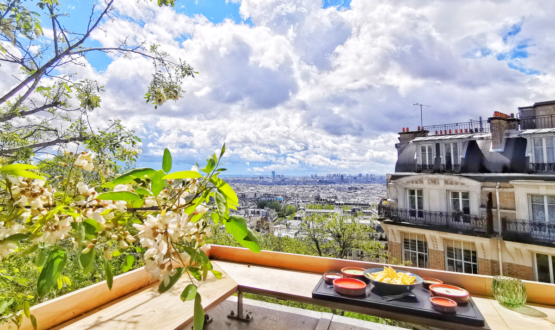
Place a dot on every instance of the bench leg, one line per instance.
(239, 316)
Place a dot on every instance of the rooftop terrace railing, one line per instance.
(536, 122)
(542, 167)
(478, 126)
(444, 221)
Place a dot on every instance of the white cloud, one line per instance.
(316, 89)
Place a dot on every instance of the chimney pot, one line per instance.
(449, 131)
(418, 127)
(403, 130)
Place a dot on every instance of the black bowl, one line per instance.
(391, 289)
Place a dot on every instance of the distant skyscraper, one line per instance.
(274, 175)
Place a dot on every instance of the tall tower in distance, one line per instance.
(273, 175)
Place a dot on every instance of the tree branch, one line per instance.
(44, 144)
(53, 18)
(56, 58)
(26, 95)
(28, 112)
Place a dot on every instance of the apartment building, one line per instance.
(476, 197)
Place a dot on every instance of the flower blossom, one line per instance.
(84, 161)
(6, 248)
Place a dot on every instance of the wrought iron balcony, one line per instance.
(451, 168)
(542, 167)
(443, 221)
(424, 168)
(478, 126)
(528, 231)
(535, 122)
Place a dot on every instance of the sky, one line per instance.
(305, 87)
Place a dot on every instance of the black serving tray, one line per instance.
(418, 306)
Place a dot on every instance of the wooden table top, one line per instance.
(297, 286)
(147, 309)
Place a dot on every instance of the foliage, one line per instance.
(48, 108)
(276, 206)
(144, 216)
(290, 209)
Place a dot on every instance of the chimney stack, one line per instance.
(406, 136)
(499, 124)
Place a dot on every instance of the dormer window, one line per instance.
(543, 151)
(451, 157)
(426, 157)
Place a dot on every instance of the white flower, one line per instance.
(201, 209)
(121, 187)
(165, 276)
(84, 161)
(6, 248)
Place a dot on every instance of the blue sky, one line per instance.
(310, 86)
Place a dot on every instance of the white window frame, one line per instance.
(450, 196)
(427, 253)
(544, 149)
(424, 160)
(550, 262)
(545, 205)
(462, 256)
(416, 197)
(444, 156)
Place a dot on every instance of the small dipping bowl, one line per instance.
(459, 295)
(349, 287)
(354, 272)
(430, 281)
(444, 305)
(331, 276)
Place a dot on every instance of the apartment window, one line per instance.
(451, 154)
(416, 202)
(427, 157)
(460, 205)
(543, 208)
(544, 151)
(415, 250)
(461, 257)
(544, 268)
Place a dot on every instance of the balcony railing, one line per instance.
(455, 168)
(424, 168)
(447, 221)
(542, 167)
(529, 231)
(535, 122)
(478, 126)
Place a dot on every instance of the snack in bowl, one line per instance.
(459, 295)
(354, 272)
(349, 286)
(389, 275)
(391, 282)
(430, 281)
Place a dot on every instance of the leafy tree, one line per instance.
(47, 108)
(290, 209)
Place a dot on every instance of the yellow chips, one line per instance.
(389, 275)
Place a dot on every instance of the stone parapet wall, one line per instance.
(436, 259)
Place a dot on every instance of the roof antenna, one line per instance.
(421, 121)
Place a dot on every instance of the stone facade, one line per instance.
(395, 252)
(436, 259)
(518, 271)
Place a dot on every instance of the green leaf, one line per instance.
(5, 304)
(231, 197)
(27, 309)
(129, 260)
(138, 203)
(16, 238)
(143, 191)
(157, 184)
(189, 293)
(167, 161)
(173, 279)
(198, 319)
(40, 89)
(217, 274)
(237, 226)
(51, 272)
(41, 259)
(17, 167)
(34, 322)
(108, 273)
(183, 175)
(216, 217)
(195, 272)
(223, 151)
(119, 196)
(25, 174)
(138, 173)
(86, 260)
(220, 203)
(30, 250)
(209, 166)
(91, 229)
(116, 253)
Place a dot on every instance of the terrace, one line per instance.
(135, 304)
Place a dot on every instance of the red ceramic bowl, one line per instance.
(331, 276)
(444, 305)
(349, 287)
(354, 272)
(430, 281)
(459, 295)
